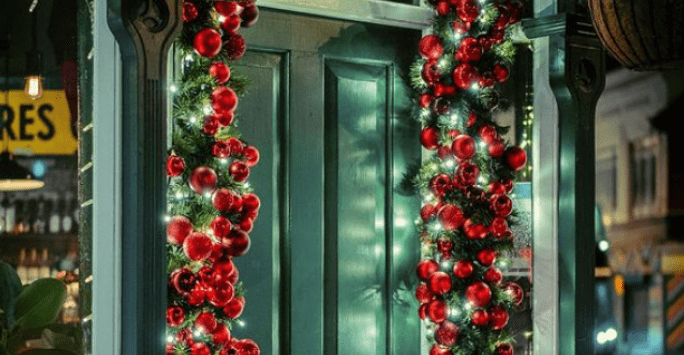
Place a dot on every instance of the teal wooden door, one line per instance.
(330, 269)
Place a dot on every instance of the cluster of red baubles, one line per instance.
(204, 290)
(474, 277)
(232, 15)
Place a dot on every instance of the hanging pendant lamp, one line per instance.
(14, 177)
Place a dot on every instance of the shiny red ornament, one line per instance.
(178, 229)
(220, 71)
(425, 100)
(207, 42)
(515, 15)
(493, 276)
(515, 158)
(486, 79)
(220, 293)
(223, 99)
(439, 282)
(500, 72)
(463, 269)
(438, 311)
(497, 35)
(223, 200)
(426, 268)
(444, 152)
(235, 145)
(498, 317)
(467, 173)
(461, 27)
(247, 347)
(499, 227)
(210, 125)
(175, 166)
(501, 22)
(430, 47)
(496, 149)
(196, 296)
(250, 13)
(438, 350)
(443, 8)
(200, 349)
(464, 147)
(468, 11)
(206, 322)
(515, 291)
(239, 171)
(472, 119)
(234, 308)
(440, 184)
(226, 118)
(451, 217)
(486, 42)
(445, 246)
(501, 205)
(237, 243)
(470, 50)
(246, 225)
(423, 294)
(464, 75)
(480, 317)
(251, 155)
(197, 246)
(235, 47)
(182, 281)
(478, 294)
(446, 334)
(227, 8)
(427, 212)
(486, 256)
(220, 226)
(250, 202)
(174, 316)
(496, 187)
(231, 24)
(422, 311)
(205, 275)
(189, 11)
(474, 230)
(488, 133)
(221, 334)
(431, 72)
(220, 149)
(504, 349)
(429, 138)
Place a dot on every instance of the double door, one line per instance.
(331, 266)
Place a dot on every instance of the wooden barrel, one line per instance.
(641, 34)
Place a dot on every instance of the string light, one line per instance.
(173, 88)
(207, 110)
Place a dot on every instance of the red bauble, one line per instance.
(508, 184)
(251, 156)
(235, 47)
(174, 316)
(496, 187)
(237, 243)
(438, 350)
(178, 229)
(498, 317)
(493, 276)
(231, 24)
(431, 72)
(205, 276)
(486, 79)
(438, 311)
(250, 13)
(425, 100)
(472, 119)
(464, 74)
(516, 158)
(227, 8)
(451, 217)
(496, 149)
(499, 227)
(250, 202)
(197, 246)
(501, 205)
(182, 281)
(429, 138)
(423, 294)
(224, 267)
(463, 269)
(239, 171)
(210, 125)
(443, 8)
(515, 291)
(221, 334)
(439, 283)
(220, 71)
(497, 35)
(200, 349)
(203, 179)
(189, 11)
(223, 99)
(175, 166)
(500, 73)
(444, 90)
(220, 149)
(486, 256)
(445, 246)
(515, 9)
(480, 317)
(196, 296)
(220, 294)
(226, 118)
(470, 50)
(427, 212)
(207, 42)
(220, 226)
(430, 47)
(224, 200)
(488, 133)
(464, 147)
(502, 21)
(246, 225)
(446, 334)
(206, 322)
(440, 184)
(234, 308)
(247, 347)
(486, 42)
(474, 230)
(444, 151)
(426, 268)
(504, 349)
(478, 293)
(467, 173)
(461, 27)
(468, 11)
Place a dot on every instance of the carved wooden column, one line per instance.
(145, 30)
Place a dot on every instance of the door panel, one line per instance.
(333, 252)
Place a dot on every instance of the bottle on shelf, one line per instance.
(22, 271)
(33, 267)
(44, 270)
(76, 210)
(55, 220)
(39, 221)
(2, 218)
(67, 221)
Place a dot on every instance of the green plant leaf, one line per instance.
(39, 304)
(10, 288)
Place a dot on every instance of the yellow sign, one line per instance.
(40, 126)
(619, 282)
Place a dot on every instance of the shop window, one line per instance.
(644, 176)
(606, 184)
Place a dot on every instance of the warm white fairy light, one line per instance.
(167, 218)
(207, 109)
(454, 312)
(425, 113)
(241, 323)
(193, 119)
(223, 161)
(448, 163)
(179, 195)
(475, 86)
(173, 88)
(207, 194)
(169, 339)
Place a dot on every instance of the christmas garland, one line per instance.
(211, 206)
(467, 177)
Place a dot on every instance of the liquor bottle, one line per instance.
(33, 267)
(2, 218)
(22, 272)
(39, 222)
(10, 215)
(44, 270)
(76, 214)
(67, 221)
(55, 220)
(19, 217)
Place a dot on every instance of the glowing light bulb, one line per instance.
(33, 86)
(169, 339)
(207, 110)
(167, 218)
(173, 88)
